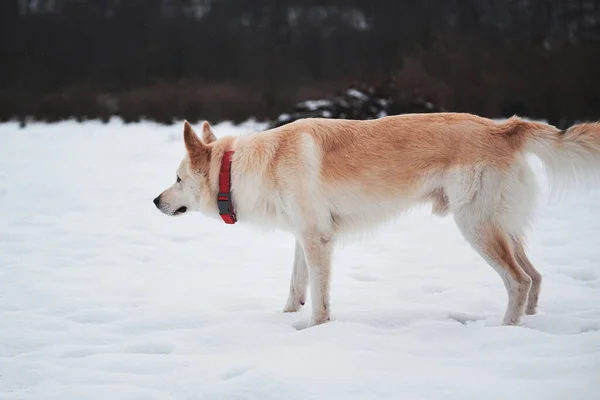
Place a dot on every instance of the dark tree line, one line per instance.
(233, 59)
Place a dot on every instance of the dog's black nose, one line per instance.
(156, 201)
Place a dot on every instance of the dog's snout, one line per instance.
(156, 201)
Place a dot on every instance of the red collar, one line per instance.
(224, 197)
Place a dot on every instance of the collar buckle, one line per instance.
(224, 203)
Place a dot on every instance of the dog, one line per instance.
(324, 179)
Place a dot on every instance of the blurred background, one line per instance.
(165, 60)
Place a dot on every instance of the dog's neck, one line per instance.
(252, 179)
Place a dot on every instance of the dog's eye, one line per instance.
(178, 179)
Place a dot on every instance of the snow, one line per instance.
(357, 94)
(103, 297)
(313, 105)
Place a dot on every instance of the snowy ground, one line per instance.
(103, 297)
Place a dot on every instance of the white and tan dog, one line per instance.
(322, 179)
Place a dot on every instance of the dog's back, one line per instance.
(363, 172)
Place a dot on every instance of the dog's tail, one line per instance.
(571, 156)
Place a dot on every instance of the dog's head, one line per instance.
(191, 189)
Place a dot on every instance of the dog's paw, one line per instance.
(530, 311)
(292, 306)
(315, 322)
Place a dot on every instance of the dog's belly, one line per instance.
(358, 211)
(355, 208)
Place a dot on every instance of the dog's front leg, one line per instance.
(318, 248)
(299, 281)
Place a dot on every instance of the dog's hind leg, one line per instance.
(491, 207)
(299, 281)
(496, 248)
(536, 277)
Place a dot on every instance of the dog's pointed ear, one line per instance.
(207, 134)
(198, 152)
(192, 142)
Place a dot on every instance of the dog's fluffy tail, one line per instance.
(571, 156)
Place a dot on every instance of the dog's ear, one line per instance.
(199, 153)
(192, 142)
(207, 134)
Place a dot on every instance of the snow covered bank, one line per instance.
(103, 297)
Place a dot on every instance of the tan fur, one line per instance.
(414, 144)
(498, 247)
(207, 134)
(321, 179)
(536, 277)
